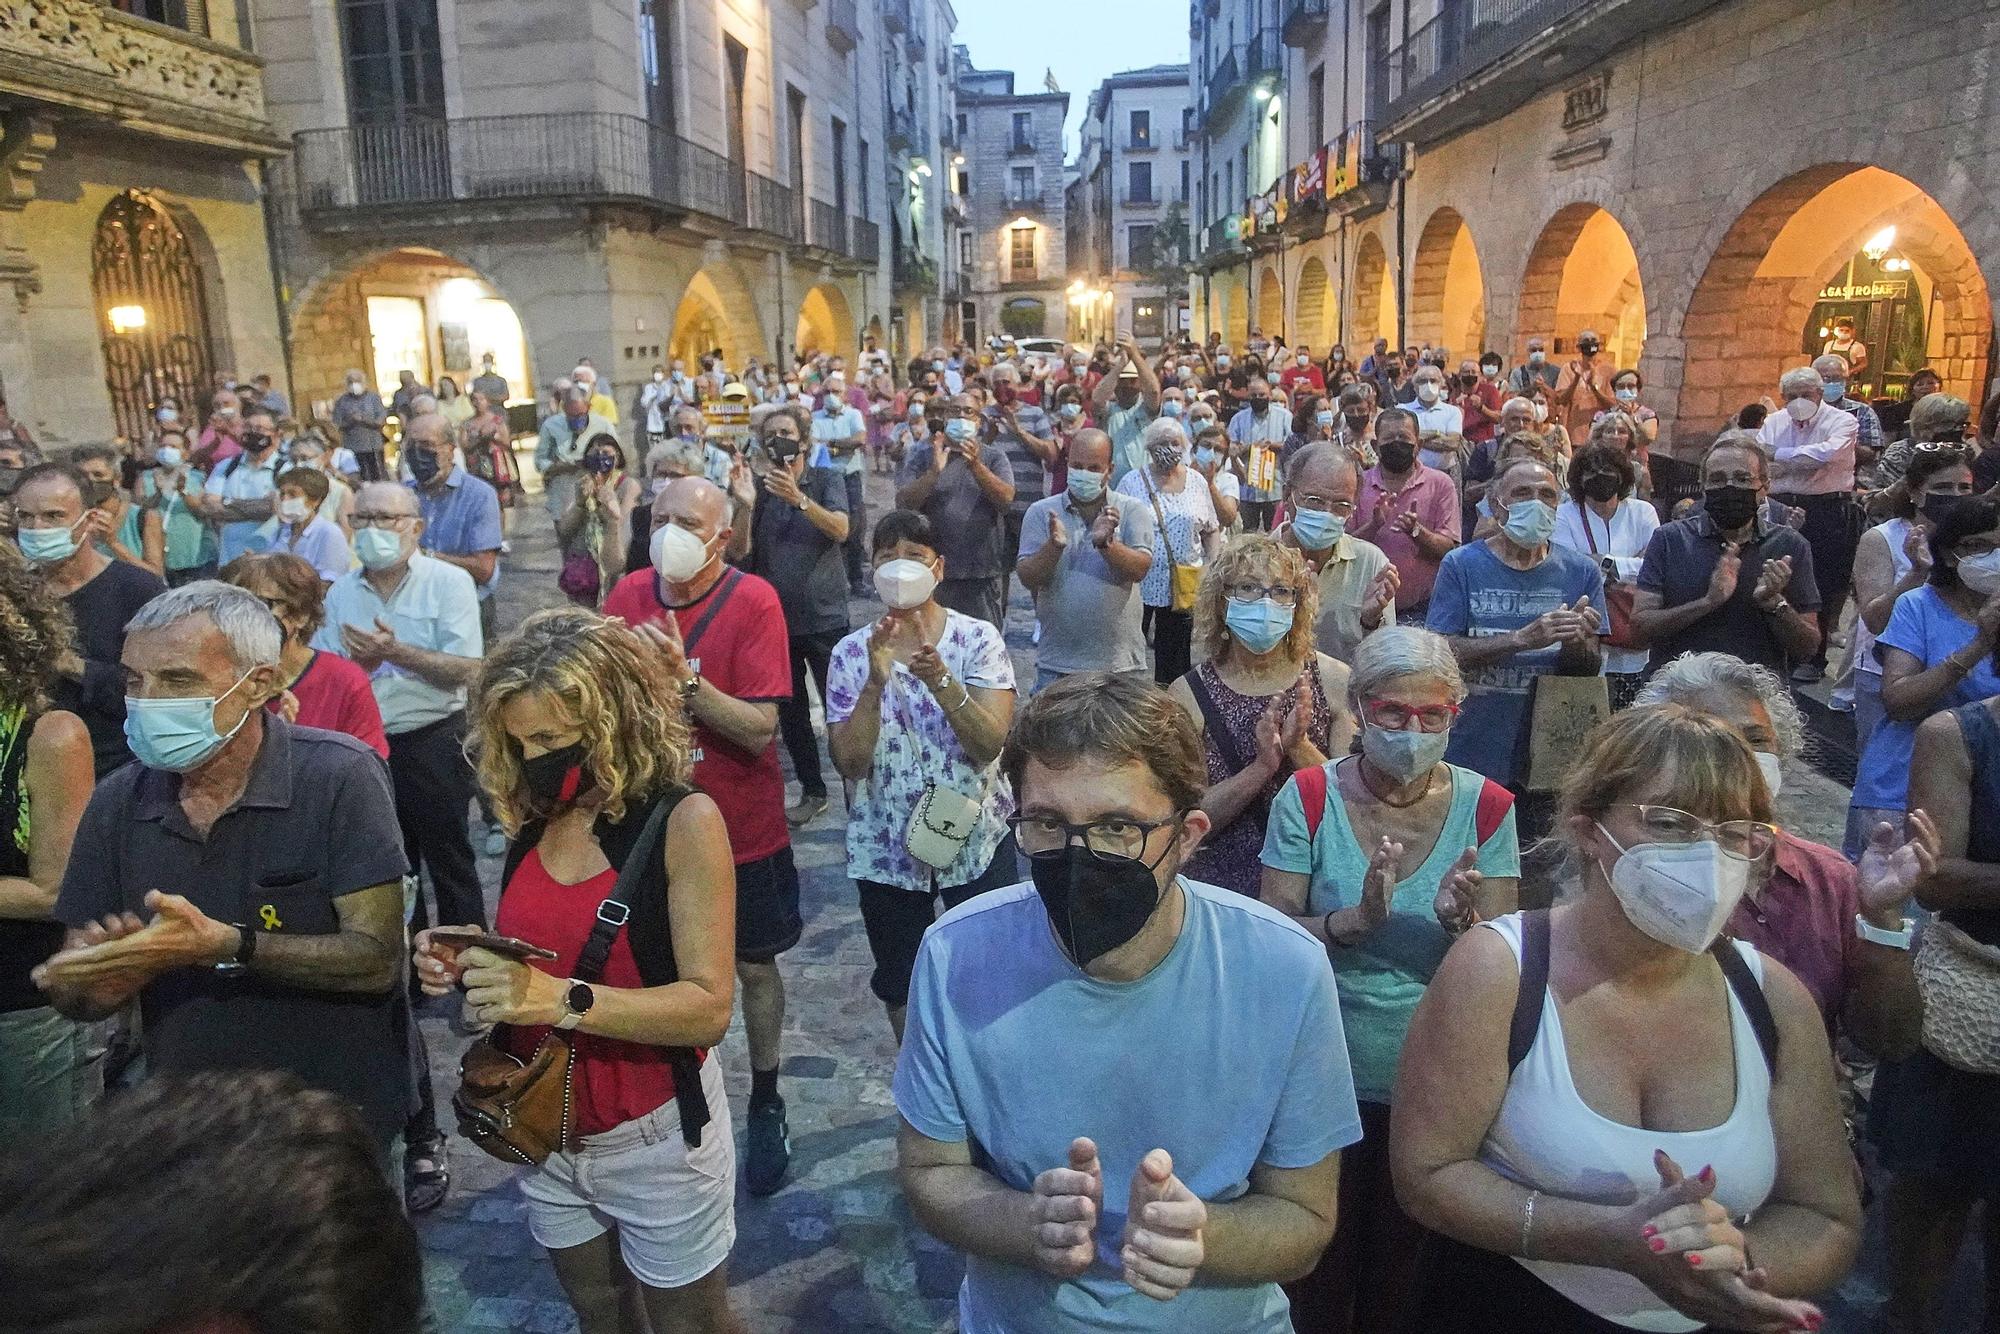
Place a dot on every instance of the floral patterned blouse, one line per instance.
(916, 745)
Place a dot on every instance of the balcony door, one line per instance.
(153, 310)
(395, 100)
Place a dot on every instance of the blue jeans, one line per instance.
(49, 1074)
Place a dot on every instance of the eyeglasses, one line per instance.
(1326, 504)
(380, 520)
(1392, 716)
(1747, 839)
(1942, 445)
(1282, 594)
(1126, 839)
(1748, 479)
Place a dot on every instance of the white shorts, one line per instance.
(674, 1207)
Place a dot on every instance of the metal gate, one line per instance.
(152, 313)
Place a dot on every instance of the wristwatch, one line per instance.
(1875, 935)
(577, 1000)
(246, 949)
(690, 687)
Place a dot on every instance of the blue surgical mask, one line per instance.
(177, 734)
(1085, 485)
(1317, 529)
(47, 546)
(1071, 411)
(1323, 417)
(1258, 625)
(378, 548)
(1835, 389)
(1170, 408)
(1205, 457)
(959, 429)
(1530, 522)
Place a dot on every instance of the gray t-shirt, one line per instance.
(1091, 619)
(801, 562)
(1030, 476)
(970, 527)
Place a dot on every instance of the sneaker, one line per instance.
(810, 808)
(1807, 673)
(769, 1153)
(426, 1177)
(496, 842)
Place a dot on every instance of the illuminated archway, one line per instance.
(1792, 253)
(1270, 303)
(699, 324)
(1447, 293)
(1310, 307)
(1583, 274)
(1374, 299)
(718, 310)
(825, 323)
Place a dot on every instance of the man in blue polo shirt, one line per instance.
(461, 513)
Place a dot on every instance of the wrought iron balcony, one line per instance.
(1021, 143)
(1225, 83)
(1263, 57)
(1304, 22)
(902, 132)
(915, 272)
(864, 241)
(843, 24)
(914, 48)
(1148, 198)
(150, 78)
(896, 15)
(1219, 243)
(1025, 202)
(367, 177)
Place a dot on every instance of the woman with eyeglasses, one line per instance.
(1616, 1118)
(1937, 652)
(1387, 856)
(1895, 557)
(1266, 700)
(1935, 419)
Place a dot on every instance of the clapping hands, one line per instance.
(1162, 1247)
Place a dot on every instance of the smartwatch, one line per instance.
(246, 950)
(577, 1000)
(1875, 935)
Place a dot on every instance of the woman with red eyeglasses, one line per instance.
(1387, 856)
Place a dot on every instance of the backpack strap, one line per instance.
(1534, 992)
(1312, 797)
(1495, 802)
(1750, 995)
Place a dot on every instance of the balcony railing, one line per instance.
(1225, 84)
(1023, 202)
(1263, 56)
(1182, 140)
(902, 129)
(1021, 143)
(1219, 242)
(1140, 143)
(1139, 198)
(843, 24)
(914, 272)
(914, 48)
(1304, 22)
(896, 15)
(1463, 39)
(351, 174)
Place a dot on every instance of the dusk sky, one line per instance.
(1081, 40)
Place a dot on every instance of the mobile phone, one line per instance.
(470, 937)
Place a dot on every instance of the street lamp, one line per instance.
(125, 319)
(1878, 245)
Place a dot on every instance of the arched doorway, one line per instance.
(1583, 274)
(1836, 239)
(1447, 293)
(152, 311)
(1309, 307)
(825, 323)
(1374, 299)
(699, 324)
(1270, 303)
(411, 309)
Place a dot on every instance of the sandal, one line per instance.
(426, 1179)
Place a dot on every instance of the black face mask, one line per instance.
(1936, 509)
(256, 442)
(1730, 506)
(1357, 422)
(1260, 406)
(1095, 904)
(1588, 348)
(1469, 381)
(554, 777)
(423, 465)
(1396, 455)
(1601, 486)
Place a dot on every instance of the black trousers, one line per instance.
(371, 464)
(810, 654)
(433, 782)
(856, 546)
(1830, 530)
(1173, 643)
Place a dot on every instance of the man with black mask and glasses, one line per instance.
(1117, 986)
(1725, 579)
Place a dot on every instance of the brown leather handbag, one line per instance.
(519, 1111)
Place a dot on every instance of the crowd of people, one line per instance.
(1261, 900)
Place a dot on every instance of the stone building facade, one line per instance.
(1014, 240)
(1705, 183)
(133, 261)
(1128, 205)
(926, 208)
(628, 182)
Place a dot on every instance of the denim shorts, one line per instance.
(674, 1208)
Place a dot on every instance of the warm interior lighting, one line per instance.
(1878, 244)
(124, 319)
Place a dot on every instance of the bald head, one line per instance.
(695, 503)
(1090, 449)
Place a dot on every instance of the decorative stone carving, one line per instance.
(1588, 102)
(81, 51)
(26, 140)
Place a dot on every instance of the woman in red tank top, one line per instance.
(579, 735)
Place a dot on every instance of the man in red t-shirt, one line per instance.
(723, 635)
(1477, 396)
(1302, 371)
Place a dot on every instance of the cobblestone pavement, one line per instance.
(836, 1250)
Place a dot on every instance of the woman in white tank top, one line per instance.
(1649, 1139)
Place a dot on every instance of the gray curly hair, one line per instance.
(1693, 679)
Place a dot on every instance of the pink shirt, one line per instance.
(1435, 500)
(1804, 918)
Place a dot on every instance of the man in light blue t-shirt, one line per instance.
(1110, 1041)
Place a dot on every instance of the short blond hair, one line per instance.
(1258, 556)
(1709, 768)
(635, 731)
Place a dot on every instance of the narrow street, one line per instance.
(836, 1250)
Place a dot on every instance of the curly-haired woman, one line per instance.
(581, 742)
(46, 1076)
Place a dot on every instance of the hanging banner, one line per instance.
(1309, 177)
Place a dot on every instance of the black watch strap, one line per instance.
(246, 945)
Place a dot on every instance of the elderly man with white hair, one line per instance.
(1845, 932)
(1813, 451)
(1024, 430)
(1186, 532)
(243, 880)
(559, 445)
(585, 377)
